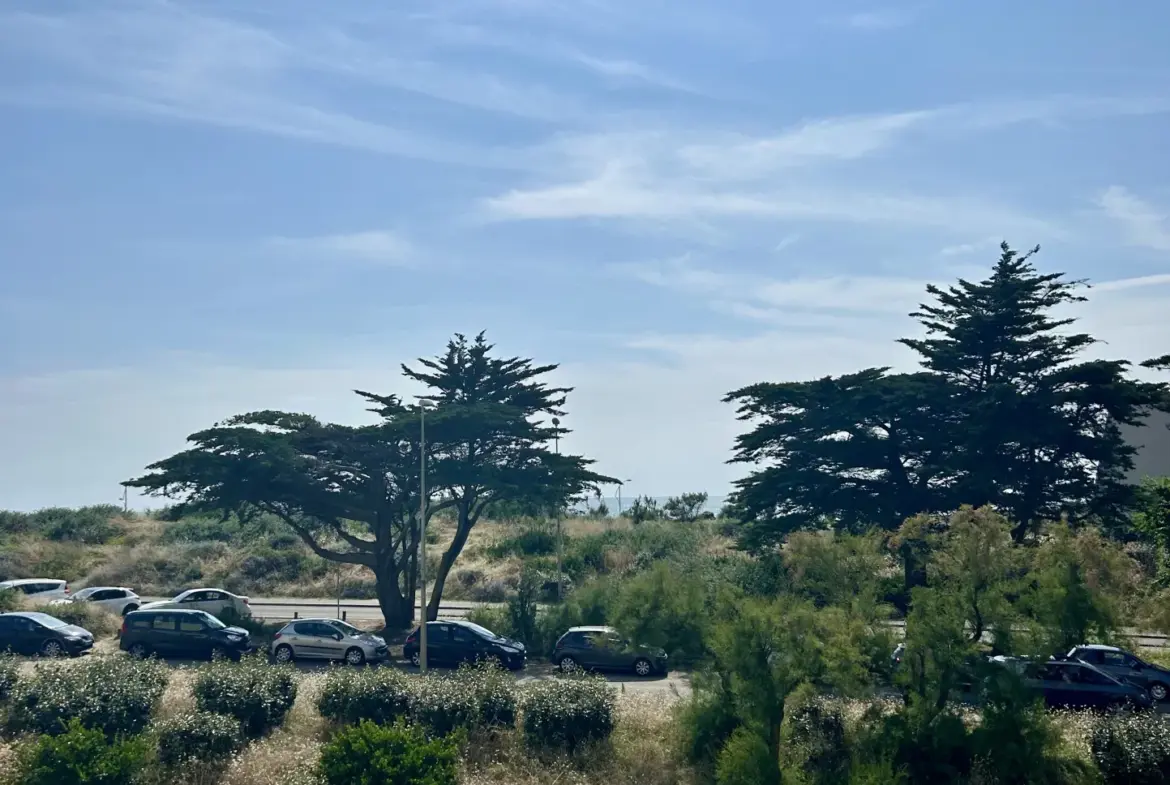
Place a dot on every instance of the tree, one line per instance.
(494, 425)
(860, 450)
(685, 508)
(352, 493)
(1039, 430)
(644, 508)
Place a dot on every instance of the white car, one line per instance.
(115, 599)
(214, 601)
(38, 589)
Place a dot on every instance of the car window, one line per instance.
(190, 624)
(164, 623)
(214, 595)
(463, 635)
(303, 628)
(211, 622)
(484, 631)
(195, 596)
(1092, 656)
(342, 627)
(613, 641)
(142, 622)
(45, 620)
(1118, 659)
(1090, 676)
(319, 630)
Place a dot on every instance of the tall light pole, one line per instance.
(422, 540)
(557, 445)
(620, 484)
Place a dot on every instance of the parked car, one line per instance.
(1124, 666)
(604, 648)
(455, 641)
(214, 601)
(39, 633)
(1076, 685)
(115, 599)
(181, 633)
(38, 589)
(327, 639)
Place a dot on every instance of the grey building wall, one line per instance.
(1153, 445)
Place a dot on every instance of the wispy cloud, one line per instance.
(879, 19)
(965, 249)
(1141, 222)
(378, 247)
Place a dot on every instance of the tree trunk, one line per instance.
(397, 606)
(446, 563)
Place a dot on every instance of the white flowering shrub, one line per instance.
(200, 737)
(442, 704)
(494, 691)
(380, 695)
(9, 673)
(567, 713)
(255, 693)
(115, 695)
(1132, 749)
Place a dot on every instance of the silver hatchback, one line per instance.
(327, 639)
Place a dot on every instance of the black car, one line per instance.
(455, 641)
(1124, 666)
(40, 633)
(1074, 684)
(181, 633)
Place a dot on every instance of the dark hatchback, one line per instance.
(604, 648)
(1073, 684)
(455, 641)
(1124, 666)
(181, 633)
(40, 633)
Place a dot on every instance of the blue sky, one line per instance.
(208, 207)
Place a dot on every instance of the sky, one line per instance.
(218, 206)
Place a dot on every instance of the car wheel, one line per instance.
(355, 656)
(129, 609)
(643, 667)
(52, 649)
(138, 651)
(416, 660)
(568, 665)
(283, 654)
(1158, 692)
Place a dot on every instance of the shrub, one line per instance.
(1133, 749)
(81, 756)
(380, 695)
(532, 541)
(664, 607)
(257, 694)
(399, 754)
(488, 591)
(706, 722)
(9, 600)
(494, 691)
(115, 695)
(746, 760)
(442, 704)
(198, 737)
(816, 743)
(568, 713)
(9, 673)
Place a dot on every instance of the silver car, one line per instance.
(327, 639)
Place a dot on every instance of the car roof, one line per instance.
(168, 610)
(1097, 647)
(23, 581)
(325, 619)
(592, 628)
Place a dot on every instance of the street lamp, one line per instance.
(557, 446)
(422, 540)
(619, 485)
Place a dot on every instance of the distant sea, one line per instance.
(714, 503)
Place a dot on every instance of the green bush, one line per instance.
(200, 529)
(705, 723)
(664, 607)
(399, 754)
(81, 756)
(816, 744)
(494, 691)
(255, 693)
(198, 737)
(746, 760)
(443, 704)
(1132, 750)
(380, 695)
(115, 695)
(567, 713)
(9, 674)
(529, 542)
(9, 601)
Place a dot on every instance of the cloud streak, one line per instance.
(1141, 223)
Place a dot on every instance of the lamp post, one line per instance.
(620, 484)
(422, 540)
(557, 446)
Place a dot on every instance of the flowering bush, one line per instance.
(200, 736)
(8, 675)
(398, 754)
(115, 695)
(1132, 749)
(379, 695)
(442, 704)
(257, 694)
(567, 713)
(494, 692)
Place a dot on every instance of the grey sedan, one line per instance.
(327, 639)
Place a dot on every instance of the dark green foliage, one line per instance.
(256, 694)
(815, 743)
(747, 760)
(685, 508)
(568, 713)
(198, 737)
(88, 525)
(9, 600)
(531, 541)
(9, 674)
(201, 529)
(381, 695)
(81, 756)
(371, 754)
(664, 607)
(1132, 750)
(644, 509)
(706, 722)
(113, 695)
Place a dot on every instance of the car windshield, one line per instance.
(211, 621)
(484, 631)
(49, 621)
(84, 594)
(345, 629)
